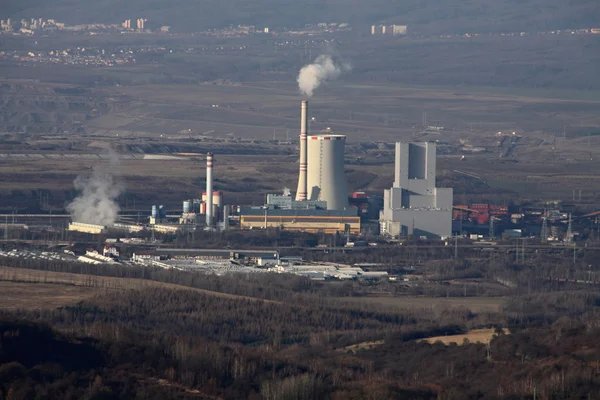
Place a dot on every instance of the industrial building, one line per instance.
(414, 205)
(87, 228)
(285, 201)
(314, 221)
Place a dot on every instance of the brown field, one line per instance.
(34, 289)
(475, 304)
(38, 296)
(473, 336)
(248, 132)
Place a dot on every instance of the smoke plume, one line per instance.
(96, 203)
(323, 69)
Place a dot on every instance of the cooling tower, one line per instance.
(326, 179)
(301, 192)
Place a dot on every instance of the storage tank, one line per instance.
(325, 173)
(154, 211)
(217, 198)
(196, 206)
(187, 206)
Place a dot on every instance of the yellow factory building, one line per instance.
(314, 221)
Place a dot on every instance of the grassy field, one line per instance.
(34, 289)
(38, 296)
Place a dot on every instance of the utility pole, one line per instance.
(456, 247)
(569, 231)
(544, 234)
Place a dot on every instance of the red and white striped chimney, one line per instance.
(302, 189)
(209, 188)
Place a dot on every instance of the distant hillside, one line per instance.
(425, 16)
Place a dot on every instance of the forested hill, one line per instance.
(423, 16)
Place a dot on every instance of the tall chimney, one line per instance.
(209, 188)
(302, 189)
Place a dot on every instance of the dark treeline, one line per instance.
(278, 336)
(247, 348)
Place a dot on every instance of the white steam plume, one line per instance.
(96, 204)
(324, 68)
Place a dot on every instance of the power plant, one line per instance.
(321, 201)
(414, 205)
(321, 174)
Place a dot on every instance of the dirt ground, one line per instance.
(473, 336)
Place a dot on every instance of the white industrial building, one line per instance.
(413, 205)
(285, 201)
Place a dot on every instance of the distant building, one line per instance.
(266, 30)
(384, 30)
(399, 29)
(165, 28)
(145, 256)
(126, 24)
(140, 24)
(413, 205)
(6, 25)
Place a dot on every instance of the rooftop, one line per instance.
(349, 212)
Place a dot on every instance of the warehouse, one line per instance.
(313, 221)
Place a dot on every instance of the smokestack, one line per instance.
(301, 192)
(209, 188)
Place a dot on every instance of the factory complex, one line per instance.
(413, 207)
(321, 204)
(209, 262)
